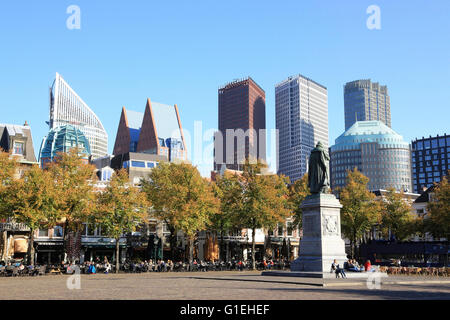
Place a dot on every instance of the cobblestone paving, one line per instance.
(215, 286)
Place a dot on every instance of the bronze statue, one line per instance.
(318, 170)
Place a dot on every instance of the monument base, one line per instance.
(321, 243)
(311, 274)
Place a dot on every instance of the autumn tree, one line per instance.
(120, 208)
(396, 217)
(182, 199)
(360, 211)
(228, 190)
(34, 202)
(73, 178)
(8, 168)
(438, 208)
(264, 200)
(298, 191)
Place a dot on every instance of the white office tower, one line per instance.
(66, 107)
(301, 107)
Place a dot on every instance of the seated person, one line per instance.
(353, 266)
(339, 272)
(368, 267)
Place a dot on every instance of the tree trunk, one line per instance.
(173, 242)
(66, 241)
(221, 247)
(191, 251)
(117, 254)
(253, 249)
(30, 253)
(5, 244)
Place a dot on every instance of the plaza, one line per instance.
(227, 285)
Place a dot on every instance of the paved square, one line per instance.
(217, 286)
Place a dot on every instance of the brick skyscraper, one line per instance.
(242, 105)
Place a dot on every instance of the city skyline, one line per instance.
(117, 59)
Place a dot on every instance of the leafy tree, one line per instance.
(73, 178)
(264, 200)
(228, 190)
(396, 215)
(360, 211)
(298, 191)
(121, 207)
(182, 198)
(438, 207)
(8, 168)
(34, 202)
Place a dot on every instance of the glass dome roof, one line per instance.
(369, 131)
(62, 139)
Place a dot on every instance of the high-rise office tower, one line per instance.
(365, 100)
(301, 107)
(67, 108)
(430, 161)
(242, 124)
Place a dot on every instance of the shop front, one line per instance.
(96, 249)
(49, 252)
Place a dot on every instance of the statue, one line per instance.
(318, 170)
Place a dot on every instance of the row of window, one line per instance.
(431, 143)
(139, 164)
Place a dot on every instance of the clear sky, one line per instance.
(180, 52)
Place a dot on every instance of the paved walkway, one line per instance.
(219, 286)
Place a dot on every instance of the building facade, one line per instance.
(18, 141)
(301, 107)
(157, 131)
(377, 151)
(365, 100)
(430, 161)
(66, 107)
(242, 111)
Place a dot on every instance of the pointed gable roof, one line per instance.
(123, 138)
(148, 139)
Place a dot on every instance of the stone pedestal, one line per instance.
(321, 242)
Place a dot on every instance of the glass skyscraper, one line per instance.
(301, 111)
(365, 100)
(67, 108)
(430, 161)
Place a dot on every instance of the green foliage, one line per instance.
(121, 207)
(34, 199)
(298, 191)
(72, 178)
(438, 223)
(396, 216)
(181, 197)
(360, 211)
(263, 200)
(8, 168)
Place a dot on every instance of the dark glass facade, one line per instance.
(242, 105)
(430, 161)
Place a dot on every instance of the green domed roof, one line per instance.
(367, 132)
(62, 139)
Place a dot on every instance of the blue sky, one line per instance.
(180, 52)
